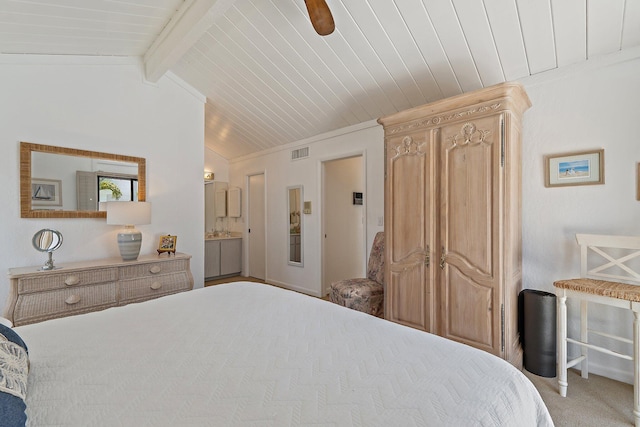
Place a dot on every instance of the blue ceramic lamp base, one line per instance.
(129, 241)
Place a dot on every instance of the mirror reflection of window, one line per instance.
(117, 189)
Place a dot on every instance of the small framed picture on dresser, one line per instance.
(167, 244)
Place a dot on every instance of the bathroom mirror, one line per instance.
(55, 182)
(294, 198)
(47, 240)
(215, 207)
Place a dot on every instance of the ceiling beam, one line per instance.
(184, 29)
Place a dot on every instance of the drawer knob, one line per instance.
(72, 280)
(155, 269)
(73, 299)
(156, 285)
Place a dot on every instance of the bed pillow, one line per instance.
(14, 367)
(11, 335)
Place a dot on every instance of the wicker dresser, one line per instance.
(81, 287)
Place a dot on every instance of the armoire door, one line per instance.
(409, 232)
(470, 240)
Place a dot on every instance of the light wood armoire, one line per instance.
(453, 218)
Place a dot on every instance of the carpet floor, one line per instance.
(596, 401)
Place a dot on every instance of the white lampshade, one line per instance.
(128, 214)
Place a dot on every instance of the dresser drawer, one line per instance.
(153, 268)
(154, 286)
(33, 307)
(68, 279)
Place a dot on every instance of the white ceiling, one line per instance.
(271, 80)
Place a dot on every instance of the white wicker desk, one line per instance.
(82, 287)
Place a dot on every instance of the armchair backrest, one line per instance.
(375, 268)
(612, 258)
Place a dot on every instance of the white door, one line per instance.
(256, 231)
(344, 240)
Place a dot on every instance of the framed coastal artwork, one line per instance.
(578, 168)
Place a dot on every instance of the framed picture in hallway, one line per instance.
(578, 168)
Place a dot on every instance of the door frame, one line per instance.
(324, 289)
(248, 222)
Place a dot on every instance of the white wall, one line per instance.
(102, 105)
(214, 162)
(590, 106)
(280, 173)
(595, 107)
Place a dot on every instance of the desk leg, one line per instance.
(636, 367)
(562, 343)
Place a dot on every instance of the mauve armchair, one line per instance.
(364, 294)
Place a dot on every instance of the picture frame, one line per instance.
(46, 192)
(577, 168)
(638, 182)
(167, 244)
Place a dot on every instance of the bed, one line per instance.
(247, 354)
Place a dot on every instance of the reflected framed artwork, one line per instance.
(578, 168)
(46, 192)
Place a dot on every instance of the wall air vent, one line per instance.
(300, 153)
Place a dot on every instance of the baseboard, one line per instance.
(609, 372)
(293, 288)
(606, 371)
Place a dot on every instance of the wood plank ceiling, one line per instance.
(271, 80)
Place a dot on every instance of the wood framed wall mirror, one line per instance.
(294, 209)
(58, 182)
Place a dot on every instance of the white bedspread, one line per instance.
(246, 354)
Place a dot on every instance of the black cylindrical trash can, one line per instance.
(538, 332)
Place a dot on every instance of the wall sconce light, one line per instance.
(208, 176)
(129, 214)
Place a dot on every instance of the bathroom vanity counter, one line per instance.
(222, 256)
(211, 236)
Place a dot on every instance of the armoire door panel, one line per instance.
(408, 301)
(467, 164)
(407, 177)
(470, 310)
(408, 193)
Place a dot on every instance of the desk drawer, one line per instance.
(67, 279)
(33, 307)
(155, 286)
(153, 268)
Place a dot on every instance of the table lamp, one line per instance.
(129, 214)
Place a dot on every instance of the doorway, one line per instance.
(343, 220)
(256, 238)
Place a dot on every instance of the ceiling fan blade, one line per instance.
(320, 16)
